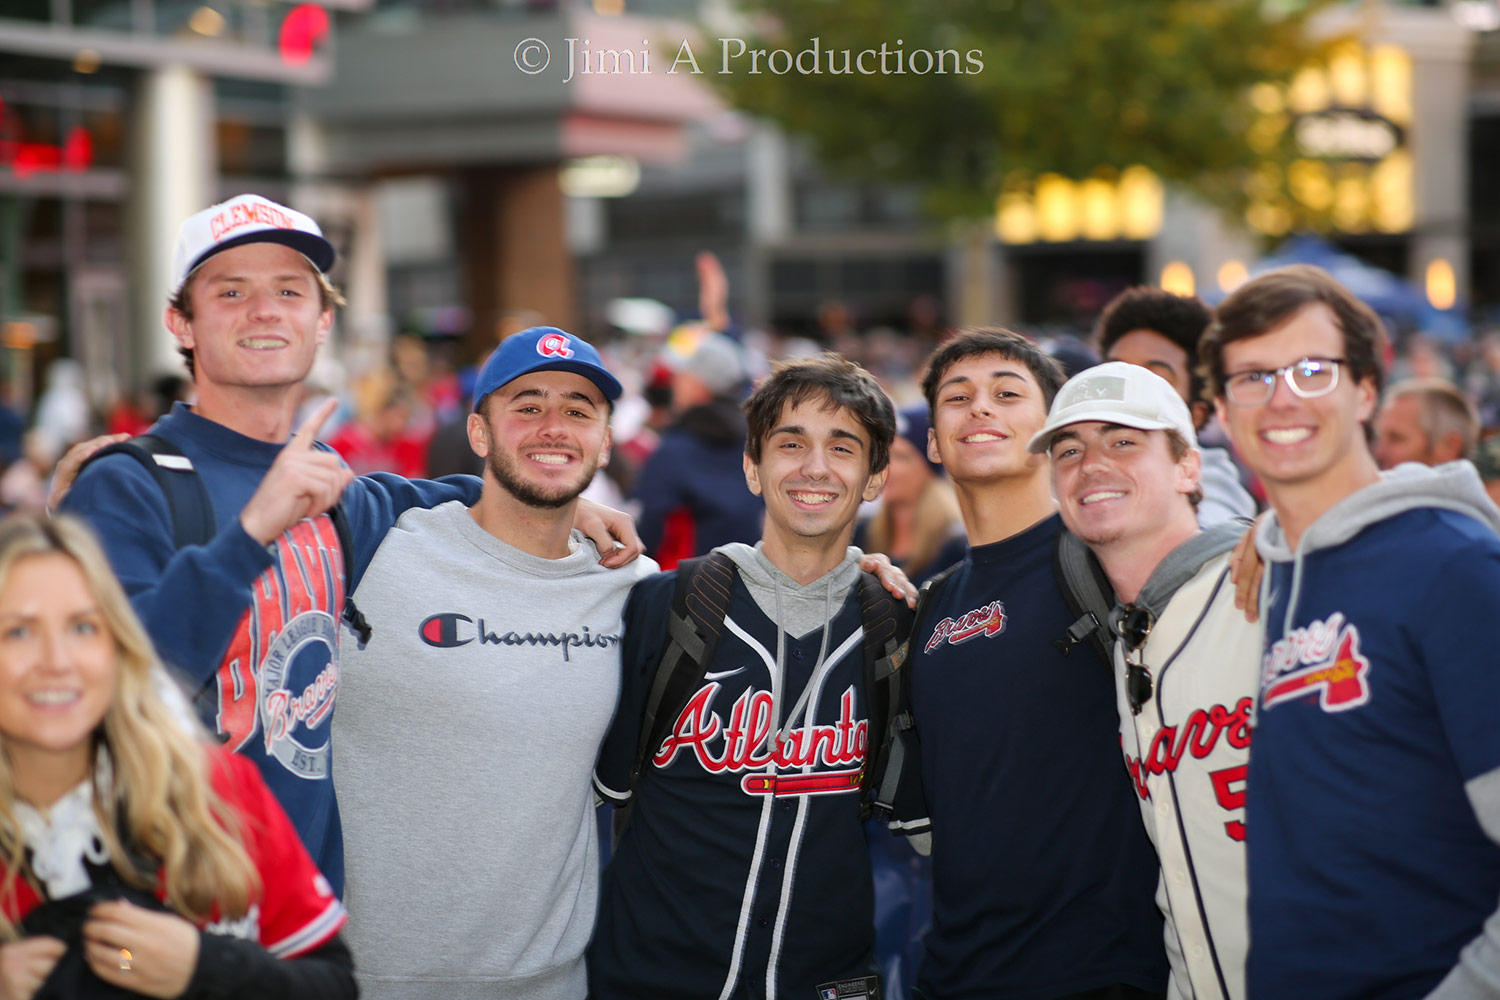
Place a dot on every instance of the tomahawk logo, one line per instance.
(554, 345)
(1322, 658)
(986, 621)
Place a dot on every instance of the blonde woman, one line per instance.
(135, 858)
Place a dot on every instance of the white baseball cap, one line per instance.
(247, 218)
(1117, 393)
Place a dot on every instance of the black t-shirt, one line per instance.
(1044, 881)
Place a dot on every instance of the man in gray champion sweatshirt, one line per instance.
(469, 724)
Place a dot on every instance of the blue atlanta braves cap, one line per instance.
(539, 349)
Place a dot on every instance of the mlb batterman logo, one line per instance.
(554, 345)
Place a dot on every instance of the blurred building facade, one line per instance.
(471, 177)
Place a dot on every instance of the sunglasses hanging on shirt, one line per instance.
(1134, 626)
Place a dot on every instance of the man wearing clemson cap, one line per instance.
(249, 611)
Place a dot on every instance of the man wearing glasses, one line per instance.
(1374, 793)
(1127, 475)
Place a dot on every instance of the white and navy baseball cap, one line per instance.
(543, 348)
(1117, 393)
(247, 218)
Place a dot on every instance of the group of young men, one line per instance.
(486, 662)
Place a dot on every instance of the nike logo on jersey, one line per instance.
(986, 621)
(747, 742)
(1322, 658)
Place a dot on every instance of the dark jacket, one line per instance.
(692, 489)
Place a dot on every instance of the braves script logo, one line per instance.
(554, 345)
(1198, 737)
(1322, 657)
(290, 623)
(748, 743)
(448, 629)
(243, 215)
(986, 621)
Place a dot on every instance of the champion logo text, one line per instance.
(449, 629)
(986, 621)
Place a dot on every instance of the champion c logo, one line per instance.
(554, 345)
(441, 630)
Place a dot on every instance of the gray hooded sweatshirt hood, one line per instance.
(796, 608)
(1455, 486)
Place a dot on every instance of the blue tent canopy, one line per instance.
(1397, 300)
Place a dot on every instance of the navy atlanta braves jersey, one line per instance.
(1368, 869)
(743, 872)
(1043, 878)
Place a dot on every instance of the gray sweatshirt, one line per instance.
(465, 738)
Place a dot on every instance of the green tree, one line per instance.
(1072, 86)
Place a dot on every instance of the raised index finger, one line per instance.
(308, 432)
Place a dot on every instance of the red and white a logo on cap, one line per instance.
(554, 345)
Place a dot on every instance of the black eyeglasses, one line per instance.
(1135, 628)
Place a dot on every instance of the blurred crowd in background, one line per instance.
(684, 377)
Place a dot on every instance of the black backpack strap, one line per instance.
(1088, 595)
(887, 625)
(188, 503)
(700, 600)
(891, 758)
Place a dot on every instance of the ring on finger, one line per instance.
(124, 959)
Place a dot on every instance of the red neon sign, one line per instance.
(27, 158)
(305, 28)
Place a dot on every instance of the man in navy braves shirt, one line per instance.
(1043, 878)
(1373, 804)
(743, 871)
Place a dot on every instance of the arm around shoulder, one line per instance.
(646, 614)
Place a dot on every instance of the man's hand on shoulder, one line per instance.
(890, 576)
(612, 532)
(303, 482)
(1245, 571)
(71, 464)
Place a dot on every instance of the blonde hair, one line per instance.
(159, 801)
(933, 524)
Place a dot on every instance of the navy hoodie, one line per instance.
(1373, 806)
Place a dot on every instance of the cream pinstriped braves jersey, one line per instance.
(1188, 753)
